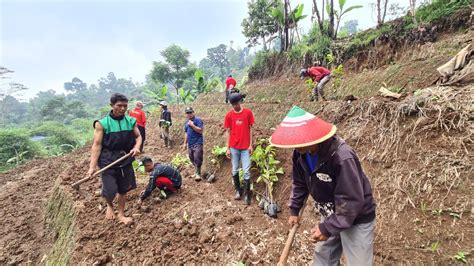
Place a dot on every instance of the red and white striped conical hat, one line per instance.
(301, 129)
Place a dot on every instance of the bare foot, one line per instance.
(125, 220)
(110, 215)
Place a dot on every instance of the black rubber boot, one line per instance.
(237, 186)
(197, 176)
(247, 192)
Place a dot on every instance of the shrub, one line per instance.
(59, 138)
(17, 147)
(428, 13)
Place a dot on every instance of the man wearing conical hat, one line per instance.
(328, 169)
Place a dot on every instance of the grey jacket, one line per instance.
(338, 184)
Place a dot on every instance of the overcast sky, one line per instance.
(48, 43)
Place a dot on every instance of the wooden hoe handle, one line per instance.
(76, 185)
(289, 240)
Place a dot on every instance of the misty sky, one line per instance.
(48, 43)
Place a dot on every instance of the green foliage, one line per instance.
(364, 38)
(261, 61)
(16, 147)
(175, 70)
(259, 22)
(310, 84)
(434, 247)
(180, 161)
(157, 94)
(315, 45)
(461, 256)
(186, 95)
(337, 75)
(264, 158)
(437, 9)
(203, 85)
(59, 138)
(340, 13)
(219, 151)
(217, 57)
(138, 167)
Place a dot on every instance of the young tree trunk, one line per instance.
(413, 11)
(384, 11)
(287, 35)
(381, 4)
(337, 27)
(282, 40)
(379, 14)
(316, 12)
(324, 11)
(264, 43)
(331, 20)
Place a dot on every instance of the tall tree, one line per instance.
(218, 57)
(259, 24)
(176, 68)
(7, 89)
(76, 85)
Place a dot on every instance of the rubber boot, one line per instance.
(237, 186)
(197, 177)
(247, 192)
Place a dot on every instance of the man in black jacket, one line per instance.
(328, 169)
(162, 176)
(165, 123)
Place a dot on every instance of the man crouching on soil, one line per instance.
(162, 176)
(326, 168)
(114, 136)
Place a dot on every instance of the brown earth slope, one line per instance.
(417, 152)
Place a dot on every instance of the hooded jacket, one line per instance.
(338, 184)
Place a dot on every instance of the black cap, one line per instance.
(189, 110)
(235, 98)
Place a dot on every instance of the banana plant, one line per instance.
(157, 94)
(341, 12)
(294, 16)
(186, 95)
(18, 158)
(205, 86)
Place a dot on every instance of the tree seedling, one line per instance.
(434, 247)
(180, 161)
(423, 207)
(455, 215)
(264, 158)
(461, 256)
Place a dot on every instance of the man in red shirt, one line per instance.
(230, 84)
(140, 115)
(238, 122)
(321, 76)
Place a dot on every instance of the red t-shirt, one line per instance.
(317, 73)
(239, 125)
(139, 115)
(230, 81)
